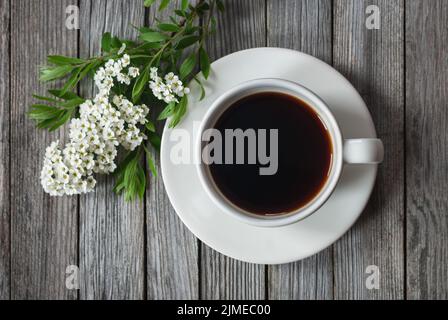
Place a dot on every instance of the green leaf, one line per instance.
(53, 73)
(145, 30)
(77, 75)
(45, 124)
(115, 43)
(155, 140)
(122, 165)
(135, 180)
(131, 177)
(43, 112)
(148, 3)
(187, 41)
(180, 13)
(129, 43)
(151, 45)
(62, 60)
(66, 96)
(44, 98)
(48, 116)
(204, 6)
(140, 84)
(71, 82)
(184, 5)
(202, 88)
(164, 4)
(191, 29)
(71, 104)
(153, 37)
(150, 126)
(119, 184)
(106, 42)
(89, 68)
(187, 66)
(63, 118)
(180, 112)
(167, 112)
(220, 5)
(141, 182)
(204, 62)
(168, 27)
(151, 165)
(150, 162)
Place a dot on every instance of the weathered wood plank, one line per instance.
(111, 229)
(303, 25)
(426, 148)
(4, 151)
(373, 61)
(306, 26)
(172, 250)
(44, 229)
(241, 26)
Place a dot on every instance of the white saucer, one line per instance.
(304, 238)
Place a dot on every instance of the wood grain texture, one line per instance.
(5, 204)
(172, 250)
(304, 25)
(111, 229)
(372, 60)
(426, 148)
(404, 229)
(241, 26)
(44, 228)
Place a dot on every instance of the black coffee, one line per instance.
(304, 155)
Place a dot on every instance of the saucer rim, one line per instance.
(368, 184)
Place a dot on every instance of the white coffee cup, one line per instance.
(349, 151)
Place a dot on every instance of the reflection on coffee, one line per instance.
(304, 155)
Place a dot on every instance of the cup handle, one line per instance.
(363, 151)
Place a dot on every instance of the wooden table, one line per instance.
(141, 250)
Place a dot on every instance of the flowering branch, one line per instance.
(129, 77)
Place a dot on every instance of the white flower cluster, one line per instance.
(168, 89)
(104, 77)
(95, 135)
(56, 176)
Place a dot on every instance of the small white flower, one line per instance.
(125, 60)
(100, 75)
(117, 68)
(170, 77)
(122, 78)
(109, 63)
(133, 72)
(117, 100)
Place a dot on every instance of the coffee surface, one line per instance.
(304, 155)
